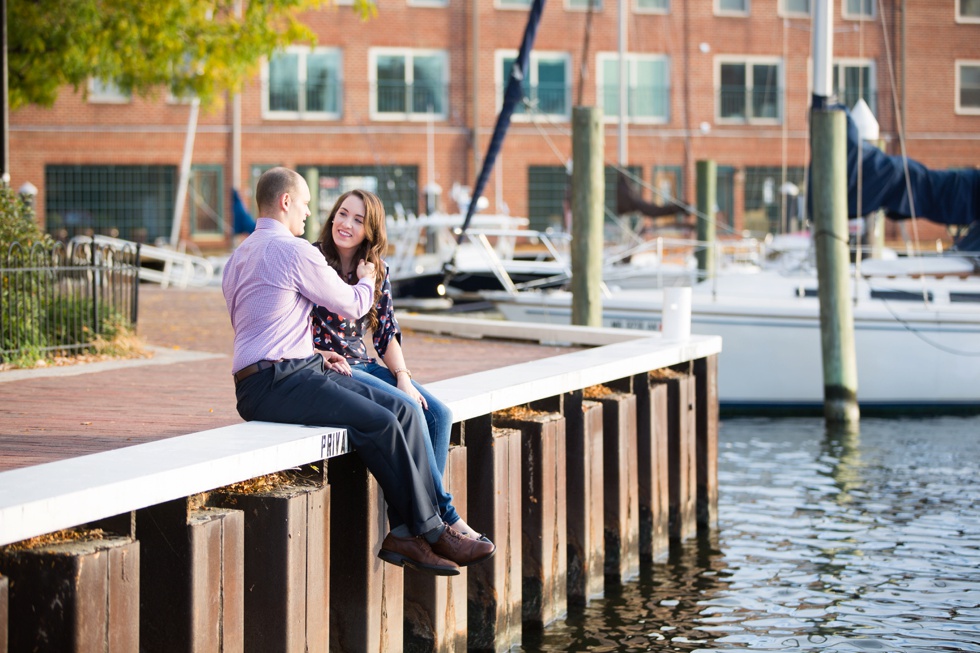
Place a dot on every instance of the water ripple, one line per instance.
(828, 542)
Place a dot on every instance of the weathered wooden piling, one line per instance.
(681, 452)
(493, 464)
(584, 495)
(286, 570)
(706, 409)
(435, 606)
(75, 596)
(543, 519)
(4, 607)
(191, 578)
(652, 478)
(366, 594)
(619, 470)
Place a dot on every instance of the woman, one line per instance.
(355, 230)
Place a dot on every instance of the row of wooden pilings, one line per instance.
(575, 491)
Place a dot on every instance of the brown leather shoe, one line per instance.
(415, 552)
(462, 550)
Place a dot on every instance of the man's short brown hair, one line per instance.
(271, 186)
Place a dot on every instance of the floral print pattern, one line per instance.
(333, 332)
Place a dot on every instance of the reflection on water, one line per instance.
(865, 541)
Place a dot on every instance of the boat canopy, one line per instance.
(950, 197)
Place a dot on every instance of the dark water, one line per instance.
(865, 542)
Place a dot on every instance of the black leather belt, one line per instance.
(249, 370)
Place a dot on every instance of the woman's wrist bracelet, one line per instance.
(405, 370)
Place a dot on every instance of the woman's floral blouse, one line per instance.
(337, 333)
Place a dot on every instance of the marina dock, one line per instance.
(579, 452)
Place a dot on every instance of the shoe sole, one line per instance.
(404, 561)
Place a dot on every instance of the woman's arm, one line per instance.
(395, 361)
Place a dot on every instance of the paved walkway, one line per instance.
(52, 414)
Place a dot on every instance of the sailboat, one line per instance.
(916, 319)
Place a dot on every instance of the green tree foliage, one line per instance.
(189, 47)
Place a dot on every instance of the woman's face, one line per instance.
(348, 224)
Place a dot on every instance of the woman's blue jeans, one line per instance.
(438, 419)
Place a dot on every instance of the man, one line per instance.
(270, 284)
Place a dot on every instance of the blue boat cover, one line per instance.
(243, 222)
(950, 197)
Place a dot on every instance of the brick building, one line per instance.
(391, 104)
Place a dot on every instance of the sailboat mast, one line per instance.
(823, 53)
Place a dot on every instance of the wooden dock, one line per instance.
(578, 466)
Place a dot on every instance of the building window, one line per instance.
(771, 206)
(131, 202)
(668, 184)
(428, 3)
(513, 4)
(647, 86)
(583, 5)
(206, 201)
(749, 90)
(794, 8)
(853, 80)
(102, 91)
(859, 9)
(301, 83)
(725, 194)
(732, 7)
(396, 186)
(546, 88)
(548, 198)
(408, 84)
(651, 6)
(968, 87)
(968, 11)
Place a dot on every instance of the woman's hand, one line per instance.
(365, 269)
(405, 385)
(336, 362)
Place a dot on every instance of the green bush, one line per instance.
(18, 223)
(34, 317)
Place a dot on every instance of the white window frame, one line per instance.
(631, 57)
(512, 6)
(570, 7)
(106, 92)
(849, 16)
(302, 113)
(783, 12)
(647, 10)
(536, 56)
(716, 5)
(409, 54)
(749, 60)
(960, 18)
(960, 109)
(854, 61)
(427, 3)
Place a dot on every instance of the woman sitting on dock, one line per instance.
(355, 230)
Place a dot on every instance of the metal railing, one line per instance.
(61, 298)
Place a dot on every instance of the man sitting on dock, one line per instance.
(270, 284)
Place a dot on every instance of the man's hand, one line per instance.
(365, 269)
(336, 362)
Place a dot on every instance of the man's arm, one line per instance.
(321, 284)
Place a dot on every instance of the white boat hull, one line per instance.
(908, 354)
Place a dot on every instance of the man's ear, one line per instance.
(284, 201)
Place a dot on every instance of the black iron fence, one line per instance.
(64, 297)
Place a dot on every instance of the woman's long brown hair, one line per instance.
(372, 249)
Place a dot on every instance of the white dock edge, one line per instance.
(46, 498)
